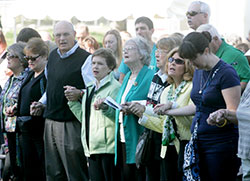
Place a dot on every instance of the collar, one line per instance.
(221, 48)
(68, 53)
(163, 76)
(103, 81)
(22, 74)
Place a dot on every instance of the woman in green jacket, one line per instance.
(98, 120)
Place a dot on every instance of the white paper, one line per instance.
(111, 102)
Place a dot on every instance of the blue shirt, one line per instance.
(212, 99)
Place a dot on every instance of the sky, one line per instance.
(227, 16)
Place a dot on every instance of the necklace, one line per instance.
(209, 78)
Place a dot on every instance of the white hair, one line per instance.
(209, 28)
(204, 7)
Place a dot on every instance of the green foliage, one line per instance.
(98, 36)
(9, 38)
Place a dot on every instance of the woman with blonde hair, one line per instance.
(112, 39)
(177, 94)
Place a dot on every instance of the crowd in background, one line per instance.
(189, 93)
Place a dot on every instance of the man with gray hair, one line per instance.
(198, 13)
(64, 156)
(228, 53)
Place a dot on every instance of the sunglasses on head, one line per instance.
(27, 58)
(192, 13)
(177, 61)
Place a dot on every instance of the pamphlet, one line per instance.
(111, 102)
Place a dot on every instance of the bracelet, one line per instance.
(223, 124)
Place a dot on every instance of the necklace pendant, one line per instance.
(200, 91)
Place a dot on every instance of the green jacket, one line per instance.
(132, 129)
(101, 123)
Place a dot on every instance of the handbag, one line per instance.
(191, 167)
(144, 148)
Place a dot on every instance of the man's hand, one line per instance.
(72, 93)
(36, 108)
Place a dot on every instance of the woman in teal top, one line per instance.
(135, 87)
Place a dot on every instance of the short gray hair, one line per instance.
(18, 50)
(204, 7)
(143, 48)
(210, 29)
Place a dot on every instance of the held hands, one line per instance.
(36, 108)
(133, 108)
(136, 109)
(72, 93)
(162, 109)
(218, 118)
(99, 104)
(11, 110)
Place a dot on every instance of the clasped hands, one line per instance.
(138, 109)
(218, 118)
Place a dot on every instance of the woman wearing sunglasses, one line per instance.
(8, 103)
(32, 127)
(176, 95)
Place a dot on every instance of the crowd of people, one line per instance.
(189, 93)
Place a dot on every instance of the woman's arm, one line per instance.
(188, 110)
(232, 100)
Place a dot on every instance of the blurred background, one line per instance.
(231, 18)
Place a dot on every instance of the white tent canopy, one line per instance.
(114, 10)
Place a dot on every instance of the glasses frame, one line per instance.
(192, 13)
(27, 58)
(129, 49)
(9, 56)
(177, 61)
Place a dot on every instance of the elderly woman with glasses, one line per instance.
(8, 101)
(31, 127)
(135, 87)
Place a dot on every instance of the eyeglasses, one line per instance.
(27, 58)
(9, 56)
(128, 49)
(177, 61)
(160, 51)
(192, 13)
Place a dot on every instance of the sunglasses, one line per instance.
(9, 56)
(27, 58)
(192, 13)
(177, 61)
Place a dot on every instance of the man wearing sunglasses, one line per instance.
(198, 13)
